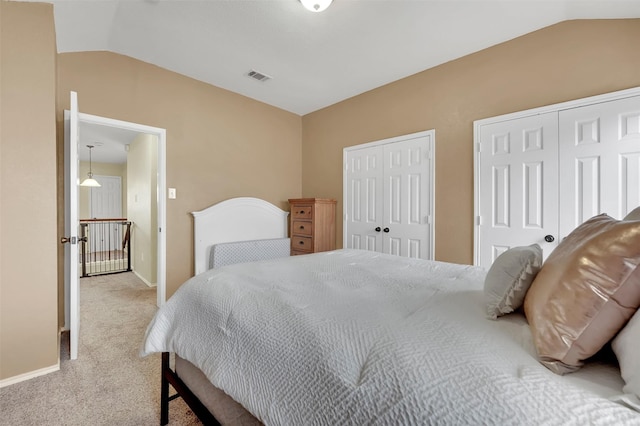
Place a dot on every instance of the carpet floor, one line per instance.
(109, 384)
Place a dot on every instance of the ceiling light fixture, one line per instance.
(90, 181)
(316, 5)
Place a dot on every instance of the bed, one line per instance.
(357, 337)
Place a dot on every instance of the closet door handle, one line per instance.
(549, 238)
(378, 229)
(386, 229)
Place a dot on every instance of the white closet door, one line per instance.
(106, 203)
(106, 200)
(407, 198)
(388, 201)
(600, 161)
(518, 163)
(363, 201)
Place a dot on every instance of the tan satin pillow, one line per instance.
(585, 292)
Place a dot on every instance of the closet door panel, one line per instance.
(364, 199)
(599, 148)
(407, 195)
(518, 187)
(630, 181)
(629, 173)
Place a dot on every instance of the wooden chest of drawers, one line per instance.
(313, 225)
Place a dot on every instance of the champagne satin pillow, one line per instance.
(585, 292)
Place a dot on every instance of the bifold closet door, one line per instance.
(518, 188)
(388, 197)
(600, 161)
(541, 176)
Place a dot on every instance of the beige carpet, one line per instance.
(109, 384)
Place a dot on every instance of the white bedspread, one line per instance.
(353, 338)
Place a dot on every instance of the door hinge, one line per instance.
(427, 219)
(479, 147)
(478, 220)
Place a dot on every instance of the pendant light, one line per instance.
(90, 181)
(316, 5)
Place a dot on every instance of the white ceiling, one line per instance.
(109, 143)
(314, 59)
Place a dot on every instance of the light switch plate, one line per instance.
(172, 193)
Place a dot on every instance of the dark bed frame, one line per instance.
(169, 377)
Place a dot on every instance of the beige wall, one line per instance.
(219, 144)
(100, 169)
(28, 240)
(142, 169)
(570, 60)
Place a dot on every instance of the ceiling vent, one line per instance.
(258, 75)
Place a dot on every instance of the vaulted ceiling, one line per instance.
(314, 59)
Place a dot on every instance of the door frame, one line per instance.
(432, 178)
(161, 134)
(477, 124)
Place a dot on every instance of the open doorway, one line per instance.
(118, 219)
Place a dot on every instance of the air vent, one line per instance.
(258, 75)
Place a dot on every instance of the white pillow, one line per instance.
(509, 278)
(633, 214)
(626, 346)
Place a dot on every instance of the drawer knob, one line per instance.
(301, 243)
(301, 226)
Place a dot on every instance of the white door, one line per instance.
(407, 198)
(388, 187)
(71, 277)
(105, 203)
(600, 160)
(524, 197)
(363, 206)
(106, 200)
(518, 188)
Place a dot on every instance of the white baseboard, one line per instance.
(30, 375)
(145, 281)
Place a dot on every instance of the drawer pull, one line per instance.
(301, 226)
(301, 243)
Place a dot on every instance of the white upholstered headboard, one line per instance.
(236, 219)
